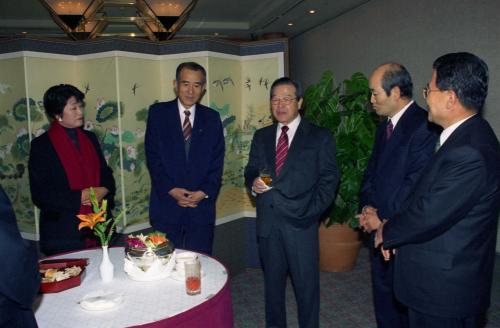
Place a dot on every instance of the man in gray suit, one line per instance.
(300, 158)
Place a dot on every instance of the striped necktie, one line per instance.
(388, 130)
(281, 149)
(186, 126)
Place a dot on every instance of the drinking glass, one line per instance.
(193, 277)
(265, 176)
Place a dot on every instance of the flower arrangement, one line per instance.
(151, 240)
(97, 222)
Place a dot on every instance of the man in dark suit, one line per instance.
(185, 154)
(404, 143)
(301, 160)
(19, 276)
(445, 235)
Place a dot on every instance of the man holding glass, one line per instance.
(300, 158)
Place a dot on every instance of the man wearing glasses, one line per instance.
(404, 143)
(300, 157)
(445, 236)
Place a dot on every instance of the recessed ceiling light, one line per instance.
(132, 34)
(24, 32)
(312, 11)
(290, 24)
(216, 34)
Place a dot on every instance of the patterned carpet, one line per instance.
(346, 300)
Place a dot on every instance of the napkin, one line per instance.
(101, 300)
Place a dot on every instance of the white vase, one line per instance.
(106, 268)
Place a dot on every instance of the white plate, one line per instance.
(101, 300)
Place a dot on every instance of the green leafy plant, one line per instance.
(344, 110)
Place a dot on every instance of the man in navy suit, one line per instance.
(404, 143)
(301, 159)
(445, 235)
(19, 276)
(185, 155)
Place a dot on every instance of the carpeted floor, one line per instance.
(346, 300)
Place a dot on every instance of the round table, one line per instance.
(161, 303)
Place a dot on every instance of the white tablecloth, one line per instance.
(144, 302)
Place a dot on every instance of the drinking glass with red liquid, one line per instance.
(193, 277)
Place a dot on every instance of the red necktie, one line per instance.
(186, 126)
(281, 149)
(388, 130)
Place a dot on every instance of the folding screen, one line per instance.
(121, 79)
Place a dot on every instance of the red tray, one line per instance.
(58, 286)
(62, 263)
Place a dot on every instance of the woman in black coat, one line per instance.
(64, 163)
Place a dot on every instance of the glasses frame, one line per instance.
(426, 90)
(285, 101)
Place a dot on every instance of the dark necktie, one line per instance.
(186, 126)
(281, 149)
(388, 130)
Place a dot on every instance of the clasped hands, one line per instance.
(186, 198)
(369, 220)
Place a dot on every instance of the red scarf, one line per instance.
(82, 165)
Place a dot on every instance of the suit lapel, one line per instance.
(404, 126)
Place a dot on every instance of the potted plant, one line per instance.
(344, 110)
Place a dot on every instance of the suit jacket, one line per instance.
(446, 233)
(58, 204)
(308, 180)
(169, 167)
(19, 276)
(395, 165)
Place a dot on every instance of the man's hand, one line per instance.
(378, 235)
(259, 186)
(196, 197)
(186, 198)
(369, 219)
(386, 253)
(181, 195)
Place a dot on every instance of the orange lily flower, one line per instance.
(90, 220)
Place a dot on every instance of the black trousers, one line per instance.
(294, 251)
(422, 320)
(389, 312)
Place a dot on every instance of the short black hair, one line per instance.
(287, 81)
(57, 96)
(396, 75)
(465, 74)
(191, 66)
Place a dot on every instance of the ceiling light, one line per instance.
(290, 24)
(87, 19)
(312, 11)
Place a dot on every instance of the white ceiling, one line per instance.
(234, 19)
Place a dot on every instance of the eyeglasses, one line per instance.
(286, 100)
(426, 90)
